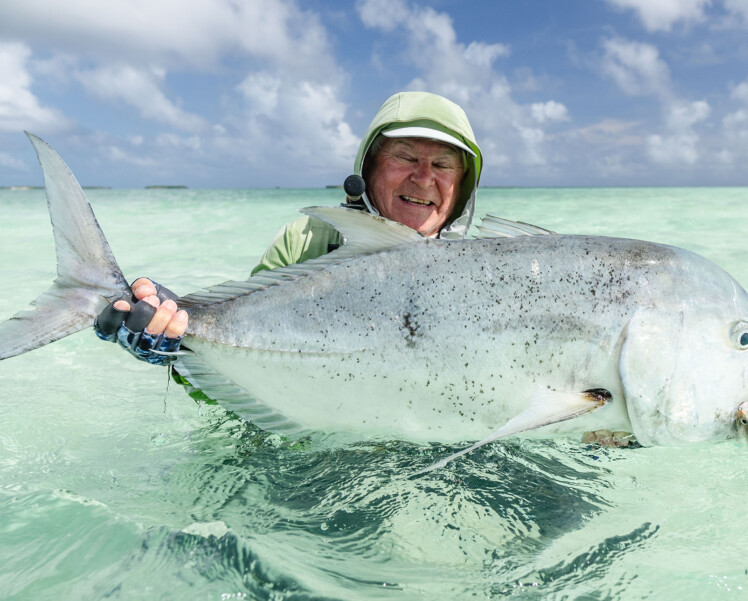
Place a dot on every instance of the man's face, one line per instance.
(416, 181)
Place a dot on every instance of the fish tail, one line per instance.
(88, 276)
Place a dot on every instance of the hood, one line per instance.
(422, 109)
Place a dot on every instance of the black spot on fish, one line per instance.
(411, 329)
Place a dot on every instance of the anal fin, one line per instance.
(232, 397)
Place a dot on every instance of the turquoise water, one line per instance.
(115, 485)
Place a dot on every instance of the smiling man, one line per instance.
(421, 165)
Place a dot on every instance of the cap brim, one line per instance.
(426, 132)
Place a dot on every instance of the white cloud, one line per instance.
(681, 116)
(740, 92)
(735, 124)
(11, 162)
(681, 144)
(611, 132)
(661, 15)
(639, 71)
(738, 8)
(383, 14)
(289, 121)
(19, 107)
(261, 90)
(140, 89)
(479, 53)
(636, 67)
(543, 112)
(173, 35)
(673, 149)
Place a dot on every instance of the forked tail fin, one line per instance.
(87, 273)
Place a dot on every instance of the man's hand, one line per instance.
(151, 330)
(167, 320)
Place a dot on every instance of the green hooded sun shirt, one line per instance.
(308, 238)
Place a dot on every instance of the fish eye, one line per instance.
(739, 335)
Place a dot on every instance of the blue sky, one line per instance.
(264, 93)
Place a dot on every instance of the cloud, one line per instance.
(140, 89)
(639, 71)
(681, 144)
(740, 92)
(636, 68)
(19, 108)
(295, 122)
(543, 112)
(661, 15)
(611, 132)
(673, 149)
(479, 53)
(11, 162)
(386, 15)
(738, 9)
(124, 52)
(683, 115)
(170, 34)
(735, 125)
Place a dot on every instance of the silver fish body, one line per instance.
(447, 340)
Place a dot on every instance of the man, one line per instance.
(421, 165)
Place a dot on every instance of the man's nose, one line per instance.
(423, 174)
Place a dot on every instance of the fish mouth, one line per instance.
(416, 201)
(741, 419)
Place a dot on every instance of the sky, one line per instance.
(266, 93)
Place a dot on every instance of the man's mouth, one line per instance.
(414, 200)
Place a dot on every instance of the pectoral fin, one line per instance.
(546, 407)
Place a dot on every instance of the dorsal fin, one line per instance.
(364, 233)
(497, 227)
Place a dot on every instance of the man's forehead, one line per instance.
(423, 143)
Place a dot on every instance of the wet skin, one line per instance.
(416, 182)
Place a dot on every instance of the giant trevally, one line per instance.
(423, 339)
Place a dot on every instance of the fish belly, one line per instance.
(394, 394)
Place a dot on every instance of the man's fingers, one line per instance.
(152, 300)
(178, 324)
(122, 305)
(143, 287)
(163, 315)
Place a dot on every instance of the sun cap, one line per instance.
(427, 132)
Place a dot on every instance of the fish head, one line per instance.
(684, 373)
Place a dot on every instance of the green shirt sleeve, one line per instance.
(303, 239)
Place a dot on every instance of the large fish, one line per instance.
(431, 340)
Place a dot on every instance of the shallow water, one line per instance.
(114, 486)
